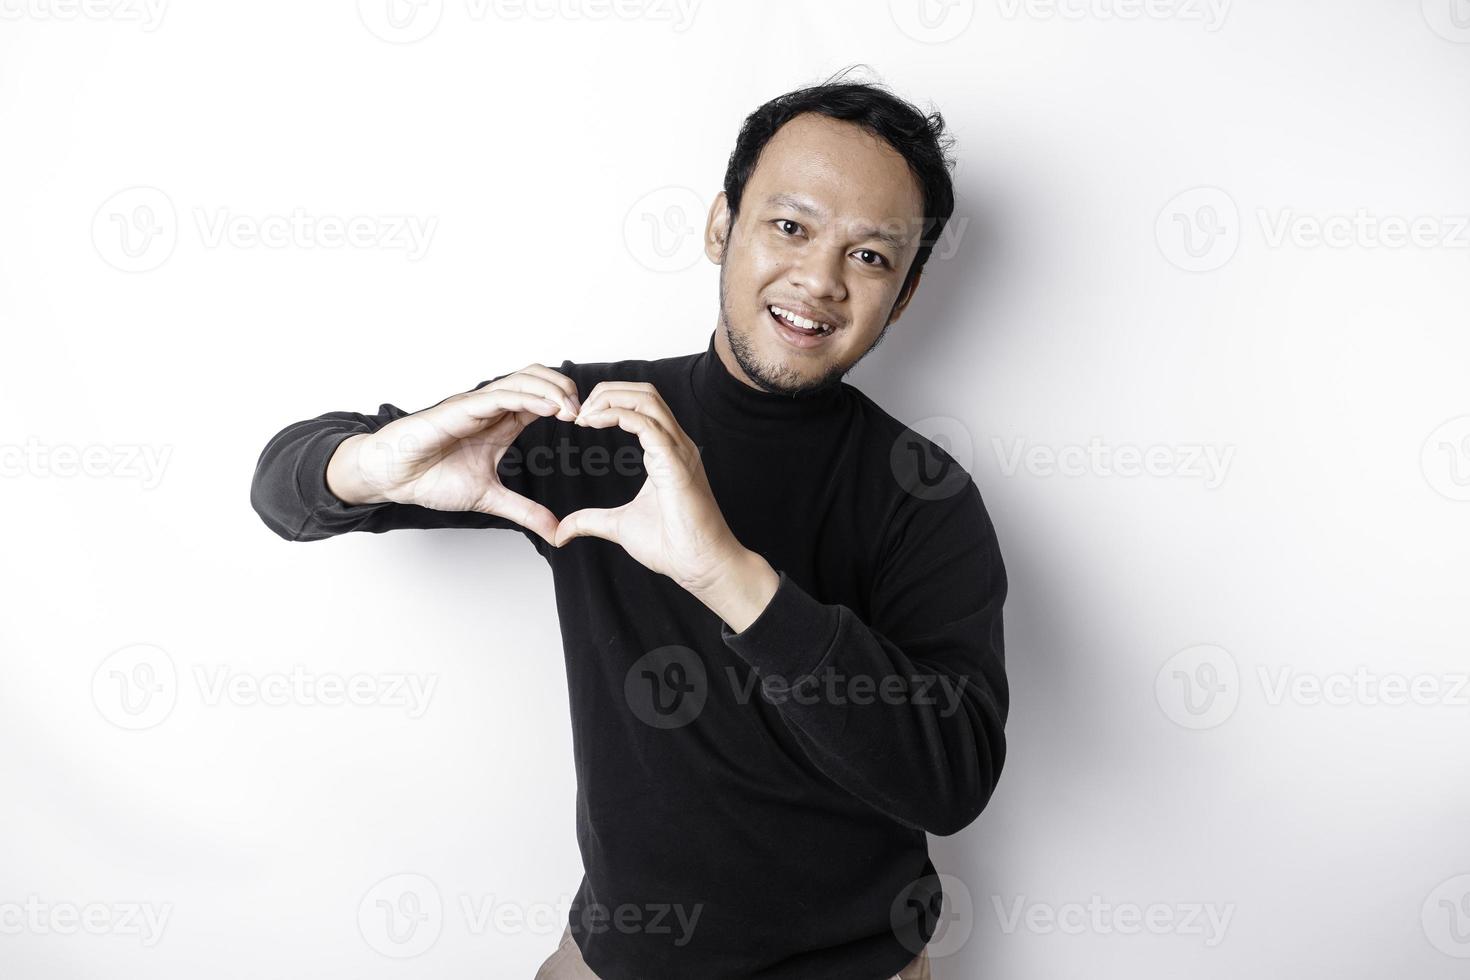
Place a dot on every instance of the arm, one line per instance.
(306, 486)
(928, 745)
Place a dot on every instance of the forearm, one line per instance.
(916, 729)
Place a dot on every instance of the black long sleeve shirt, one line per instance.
(752, 804)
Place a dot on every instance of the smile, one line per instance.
(800, 327)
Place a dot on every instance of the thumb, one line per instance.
(593, 522)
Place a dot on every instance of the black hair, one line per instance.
(920, 138)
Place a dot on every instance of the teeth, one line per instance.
(811, 326)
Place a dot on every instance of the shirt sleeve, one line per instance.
(290, 494)
(907, 713)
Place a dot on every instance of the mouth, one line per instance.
(799, 331)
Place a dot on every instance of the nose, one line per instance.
(818, 273)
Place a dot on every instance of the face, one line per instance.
(829, 224)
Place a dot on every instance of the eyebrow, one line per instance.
(893, 241)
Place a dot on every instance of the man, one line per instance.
(781, 609)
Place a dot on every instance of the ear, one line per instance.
(905, 296)
(717, 229)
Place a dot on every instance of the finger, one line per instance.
(645, 400)
(592, 522)
(476, 412)
(563, 382)
(538, 385)
(669, 460)
(649, 430)
(523, 511)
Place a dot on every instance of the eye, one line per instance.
(881, 261)
(779, 222)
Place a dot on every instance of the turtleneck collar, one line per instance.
(731, 401)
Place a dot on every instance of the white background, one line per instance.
(1155, 759)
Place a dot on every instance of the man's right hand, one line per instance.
(444, 457)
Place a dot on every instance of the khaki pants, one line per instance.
(567, 964)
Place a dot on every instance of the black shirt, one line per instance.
(753, 804)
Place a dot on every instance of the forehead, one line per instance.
(840, 168)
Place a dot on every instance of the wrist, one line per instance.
(344, 474)
(740, 590)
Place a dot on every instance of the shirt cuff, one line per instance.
(322, 505)
(791, 636)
